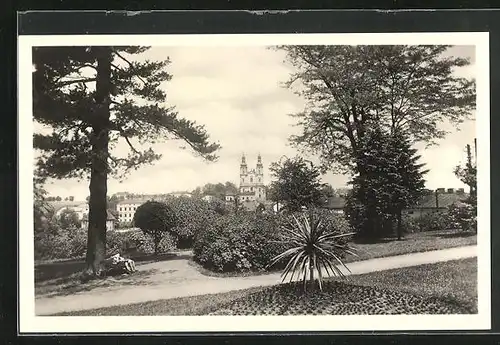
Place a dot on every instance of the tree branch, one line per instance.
(76, 81)
(130, 64)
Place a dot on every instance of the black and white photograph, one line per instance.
(224, 182)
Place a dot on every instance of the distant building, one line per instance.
(126, 209)
(431, 201)
(81, 208)
(122, 195)
(437, 201)
(181, 194)
(252, 182)
(208, 197)
(110, 222)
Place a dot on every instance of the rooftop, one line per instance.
(427, 201)
(132, 201)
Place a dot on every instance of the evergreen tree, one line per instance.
(367, 206)
(390, 180)
(92, 98)
(406, 181)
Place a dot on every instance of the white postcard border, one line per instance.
(29, 322)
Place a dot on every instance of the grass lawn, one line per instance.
(452, 284)
(411, 243)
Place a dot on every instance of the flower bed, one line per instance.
(337, 298)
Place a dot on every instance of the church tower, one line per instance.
(260, 170)
(243, 169)
(252, 187)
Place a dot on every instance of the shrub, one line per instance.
(463, 216)
(434, 221)
(238, 242)
(60, 244)
(410, 225)
(192, 217)
(247, 241)
(136, 243)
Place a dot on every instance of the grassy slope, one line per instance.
(453, 280)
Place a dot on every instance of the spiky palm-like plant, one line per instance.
(316, 247)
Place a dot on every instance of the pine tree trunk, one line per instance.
(96, 241)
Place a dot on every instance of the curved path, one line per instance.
(176, 278)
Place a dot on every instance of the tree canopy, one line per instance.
(296, 183)
(155, 219)
(347, 88)
(65, 94)
(92, 98)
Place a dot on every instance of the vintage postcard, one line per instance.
(288, 182)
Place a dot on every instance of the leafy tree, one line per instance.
(93, 98)
(219, 190)
(408, 88)
(192, 217)
(468, 174)
(197, 193)
(297, 183)
(69, 220)
(155, 219)
(465, 214)
(327, 192)
(41, 208)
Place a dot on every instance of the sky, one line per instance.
(237, 94)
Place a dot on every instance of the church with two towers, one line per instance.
(252, 189)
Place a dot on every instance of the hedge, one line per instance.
(248, 241)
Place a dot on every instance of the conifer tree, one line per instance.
(391, 180)
(406, 181)
(92, 98)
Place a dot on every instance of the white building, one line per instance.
(180, 194)
(208, 198)
(81, 208)
(126, 209)
(252, 187)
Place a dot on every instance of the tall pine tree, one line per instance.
(389, 179)
(406, 181)
(92, 98)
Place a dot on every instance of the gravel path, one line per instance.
(176, 278)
